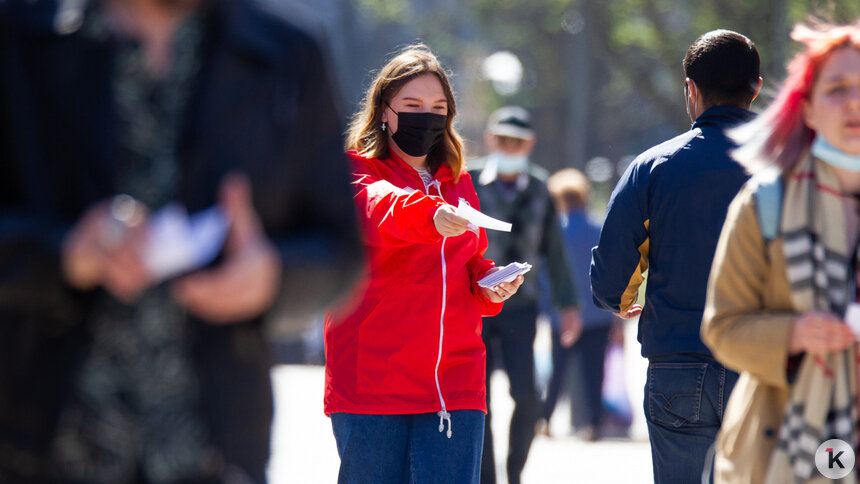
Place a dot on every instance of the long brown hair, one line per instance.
(365, 134)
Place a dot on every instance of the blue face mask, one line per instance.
(509, 164)
(831, 155)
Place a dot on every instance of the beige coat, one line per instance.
(747, 322)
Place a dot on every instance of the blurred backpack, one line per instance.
(768, 201)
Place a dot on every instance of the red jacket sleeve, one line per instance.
(390, 215)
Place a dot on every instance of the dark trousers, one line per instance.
(685, 400)
(401, 449)
(510, 337)
(583, 363)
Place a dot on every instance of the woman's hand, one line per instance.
(448, 223)
(502, 291)
(819, 332)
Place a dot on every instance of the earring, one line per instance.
(383, 127)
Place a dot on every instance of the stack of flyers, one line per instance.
(505, 274)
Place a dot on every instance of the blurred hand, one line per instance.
(634, 311)
(104, 249)
(448, 223)
(571, 326)
(819, 332)
(246, 282)
(502, 291)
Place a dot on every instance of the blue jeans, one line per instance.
(408, 449)
(685, 398)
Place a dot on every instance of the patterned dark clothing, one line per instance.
(134, 408)
(98, 391)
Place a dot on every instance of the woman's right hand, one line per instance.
(819, 332)
(448, 223)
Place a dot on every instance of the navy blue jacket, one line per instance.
(665, 216)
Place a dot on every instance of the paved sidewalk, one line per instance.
(303, 448)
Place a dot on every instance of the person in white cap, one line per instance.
(514, 190)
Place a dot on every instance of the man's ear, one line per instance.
(692, 91)
(691, 97)
(758, 88)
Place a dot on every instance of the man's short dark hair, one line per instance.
(725, 67)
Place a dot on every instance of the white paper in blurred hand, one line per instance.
(852, 317)
(467, 212)
(179, 243)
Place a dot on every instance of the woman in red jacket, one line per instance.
(404, 359)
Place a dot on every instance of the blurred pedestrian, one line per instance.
(665, 216)
(583, 351)
(510, 189)
(404, 358)
(110, 111)
(786, 270)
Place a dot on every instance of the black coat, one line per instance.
(264, 105)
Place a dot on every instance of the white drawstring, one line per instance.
(443, 414)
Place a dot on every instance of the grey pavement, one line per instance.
(303, 447)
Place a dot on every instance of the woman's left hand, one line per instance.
(503, 291)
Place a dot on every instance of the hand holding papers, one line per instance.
(180, 243)
(505, 274)
(467, 212)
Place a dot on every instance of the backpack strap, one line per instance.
(768, 201)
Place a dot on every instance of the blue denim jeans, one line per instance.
(685, 399)
(408, 449)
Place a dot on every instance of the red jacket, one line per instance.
(383, 354)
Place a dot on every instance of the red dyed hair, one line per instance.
(779, 135)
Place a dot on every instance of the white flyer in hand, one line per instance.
(852, 317)
(467, 212)
(179, 243)
(505, 274)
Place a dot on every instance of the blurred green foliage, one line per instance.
(603, 78)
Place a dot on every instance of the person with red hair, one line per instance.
(784, 273)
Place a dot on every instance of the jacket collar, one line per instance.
(443, 174)
(723, 116)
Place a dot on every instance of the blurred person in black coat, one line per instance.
(108, 374)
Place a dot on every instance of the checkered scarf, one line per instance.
(822, 401)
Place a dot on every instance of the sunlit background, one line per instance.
(603, 81)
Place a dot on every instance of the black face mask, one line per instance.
(418, 133)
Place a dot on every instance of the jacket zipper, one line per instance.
(443, 414)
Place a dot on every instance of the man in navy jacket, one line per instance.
(665, 216)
